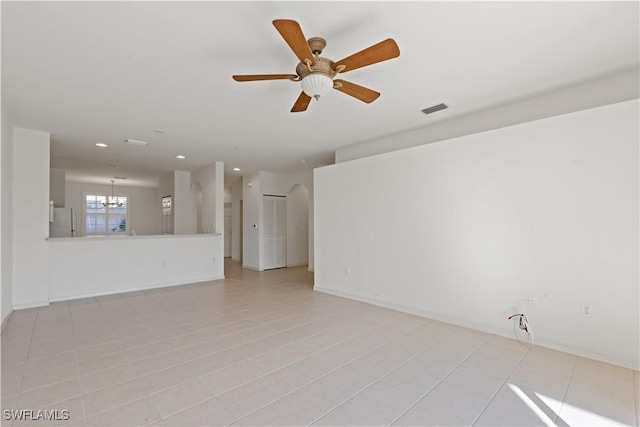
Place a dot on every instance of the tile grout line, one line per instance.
(332, 370)
(566, 389)
(442, 380)
(137, 378)
(214, 397)
(56, 382)
(501, 385)
(75, 348)
(299, 340)
(297, 361)
(382, 377)
(24, 368)
(148, 395)
(225, 335)
(182, 348)
(238, 345)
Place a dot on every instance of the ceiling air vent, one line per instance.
(435, 108)
(136, 142)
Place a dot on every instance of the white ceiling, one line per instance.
(104, 71)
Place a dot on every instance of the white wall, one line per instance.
(183, 215)
(465, 230)
(611, 89)
(236, 235)
(218, 207)
(298, 226)
(140, 262)
(206, 177)
(143, 206)
(57, 187)
(252, 206)
(228, 197)
(6, 215)
(30, 217)
(306, 178)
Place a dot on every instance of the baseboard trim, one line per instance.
(5, 321)
(297, 264)
(30, 305)
(506, 333)
(139, 288)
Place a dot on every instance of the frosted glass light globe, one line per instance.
(317, 85)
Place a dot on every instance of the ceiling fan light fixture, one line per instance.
(316, 85)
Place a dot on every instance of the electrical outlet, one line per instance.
(586, 310)
(214, 259)
(346, 271)
(163, 263)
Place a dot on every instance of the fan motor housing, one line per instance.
(323, 66)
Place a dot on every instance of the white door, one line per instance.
(274, 210)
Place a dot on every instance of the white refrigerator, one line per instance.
(62, 222)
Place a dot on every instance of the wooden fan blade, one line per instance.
(254, 77)
(292, 33)
(360, 92)
(301, 103)
(386, 49)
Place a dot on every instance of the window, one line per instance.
(101, 219)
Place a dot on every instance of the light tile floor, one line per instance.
(264, 349)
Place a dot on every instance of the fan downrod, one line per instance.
(316, 44)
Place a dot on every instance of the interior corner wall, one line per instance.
(6, 215)
(236, 197)
(298, 226)
(465, 230)
(183, 218)
(206, 177)
(218, 201)
(30, 217)
(306, 179)
(57, 189)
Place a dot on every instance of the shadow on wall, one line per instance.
(298, 226)
(196, 191)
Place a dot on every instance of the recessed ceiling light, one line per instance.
(303, 161)
(180, 156)
(158, 131)
(236, 169)
(101, 145)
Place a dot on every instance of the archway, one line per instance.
(298, 226)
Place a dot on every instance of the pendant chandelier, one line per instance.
(112, 201)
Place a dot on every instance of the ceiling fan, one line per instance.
(317, 74)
